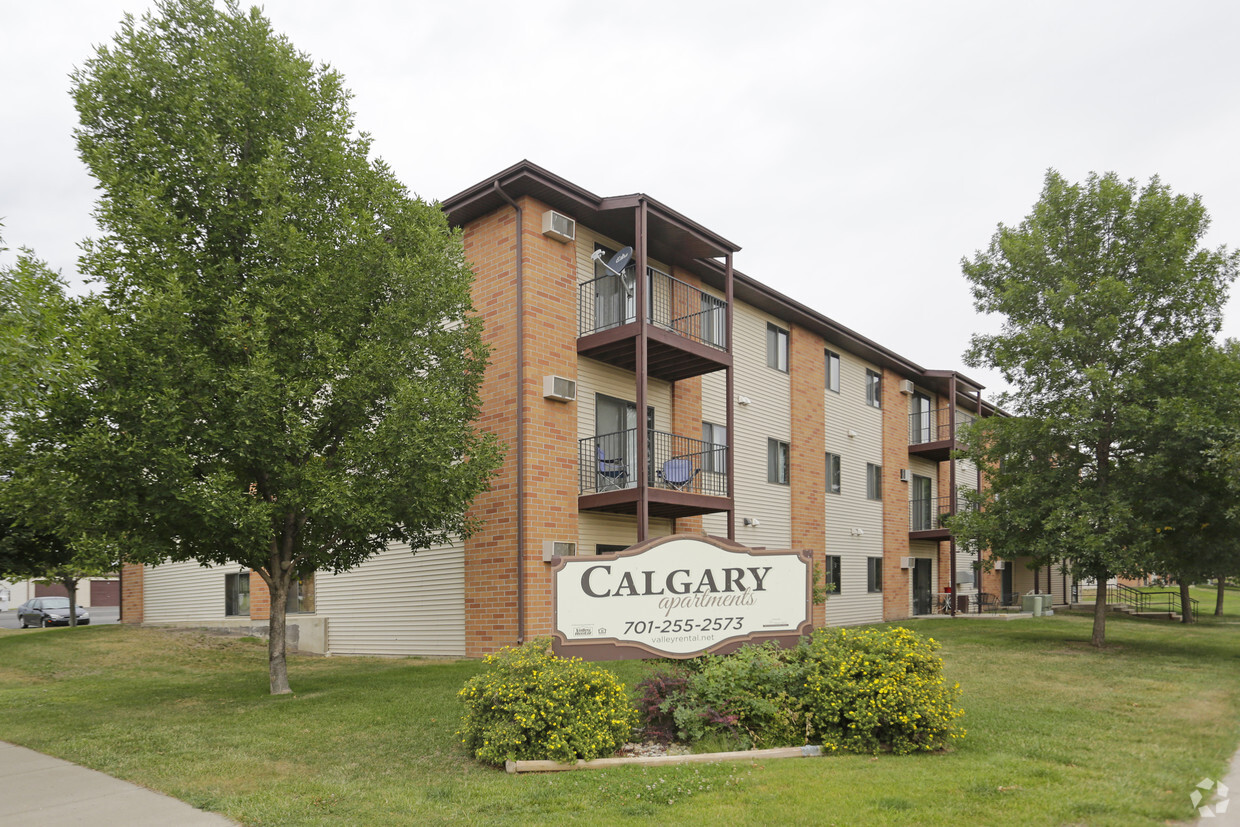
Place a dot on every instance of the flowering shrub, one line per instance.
(530, 704)
(859, 690)
(872, 689)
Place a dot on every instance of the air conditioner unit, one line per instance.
(906, 387)
(903, 475)
(1000, 565)
(559, 227)
(556, 548)
(559, 388)
(906, 562)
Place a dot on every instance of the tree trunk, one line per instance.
(1222, 590)
(1186, 607)
(71, 587)
(277, 664)
(1100, 611)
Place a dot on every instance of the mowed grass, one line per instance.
(1058, 733)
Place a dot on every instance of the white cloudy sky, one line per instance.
(855, 150)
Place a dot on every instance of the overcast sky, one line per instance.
(855, 151)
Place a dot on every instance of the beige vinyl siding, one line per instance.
(594, 528)
(184, 592)
(594, 377)
(767, 416)
(396, 603)
(586, 239)
(847, 412)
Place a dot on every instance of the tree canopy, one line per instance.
(286, 360)
(1102, 283)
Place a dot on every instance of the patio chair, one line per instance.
(679, 473)
(987, 602)
(613, 473)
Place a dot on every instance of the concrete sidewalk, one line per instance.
(39, 789)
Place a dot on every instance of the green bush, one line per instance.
(872, 689)
(529, 704)
(858, 690)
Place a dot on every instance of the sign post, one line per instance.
(679, 597)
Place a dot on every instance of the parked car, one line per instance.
(49, 611)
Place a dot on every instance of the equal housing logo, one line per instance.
(1220, 793)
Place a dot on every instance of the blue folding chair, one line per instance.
(679, 473)
(613, 473)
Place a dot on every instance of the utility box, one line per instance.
(1031, 603)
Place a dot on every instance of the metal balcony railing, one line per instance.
(931, 514)
(610, 301)
(934, 426)
(609, 462)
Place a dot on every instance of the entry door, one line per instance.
(615, 428)
(1008, 597)
(922, 421)
(921, 586)
(922, 506)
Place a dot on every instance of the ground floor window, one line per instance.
(874, 574)
(831, 574)
(300, 595)
(237, 593)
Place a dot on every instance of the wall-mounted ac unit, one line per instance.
(559, 388)
(906, 387)
(557, 548)
(903, 475)
(906, 562)
(1000, 565)
(559, 227)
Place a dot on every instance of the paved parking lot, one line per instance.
(102, 614)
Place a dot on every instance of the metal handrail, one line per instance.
(608, 301)
(608, 462)
(935, 425)
(930, 514)
(1141, 600)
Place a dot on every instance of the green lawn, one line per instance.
(1057, 734)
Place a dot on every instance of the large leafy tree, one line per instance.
(1094, 287)
(286, 359)
(1185, 483)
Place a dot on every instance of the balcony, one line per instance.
(687, 327)
(930, 433)
(684, 476)
(927, 518)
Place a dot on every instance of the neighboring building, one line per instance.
(92, 592)
(692, 399)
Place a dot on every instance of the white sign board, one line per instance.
(678, 597)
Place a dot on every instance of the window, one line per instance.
(776, 348)
(921, 508)
(715, 454)
(831, 574)
(714, 321)
(300, 595)
(873, 481)
(777, 461)
(237, 593)
(833, 370)
(874, 574)
(833, 473)
(873, 389)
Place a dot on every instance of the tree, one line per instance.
(1094, 286)
(1187, 488)
(286, 361)
(26, 554)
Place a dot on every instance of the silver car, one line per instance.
(49, 611)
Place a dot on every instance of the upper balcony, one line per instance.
(686, 326)
(930, 433)
(927, 518)
(683, 476)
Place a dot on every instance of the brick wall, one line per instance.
(808, 468)
(897, 582)
(550, 475)
(260, 598)
(131, 593)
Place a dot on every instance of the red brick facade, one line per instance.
(131, 593)
(897, 582)
(807, 460)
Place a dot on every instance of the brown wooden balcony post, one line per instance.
(642, 344)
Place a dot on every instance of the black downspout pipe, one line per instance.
(520, 416)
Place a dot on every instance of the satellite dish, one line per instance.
(618, 262)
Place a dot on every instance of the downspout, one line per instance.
(951, 424)
(520, 416)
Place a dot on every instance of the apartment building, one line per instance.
(643, 386)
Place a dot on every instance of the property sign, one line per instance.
(679, 597)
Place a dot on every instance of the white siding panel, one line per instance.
(397, 603)
(183, 592)
(767, 416)
(594, 377)
(596, 528)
